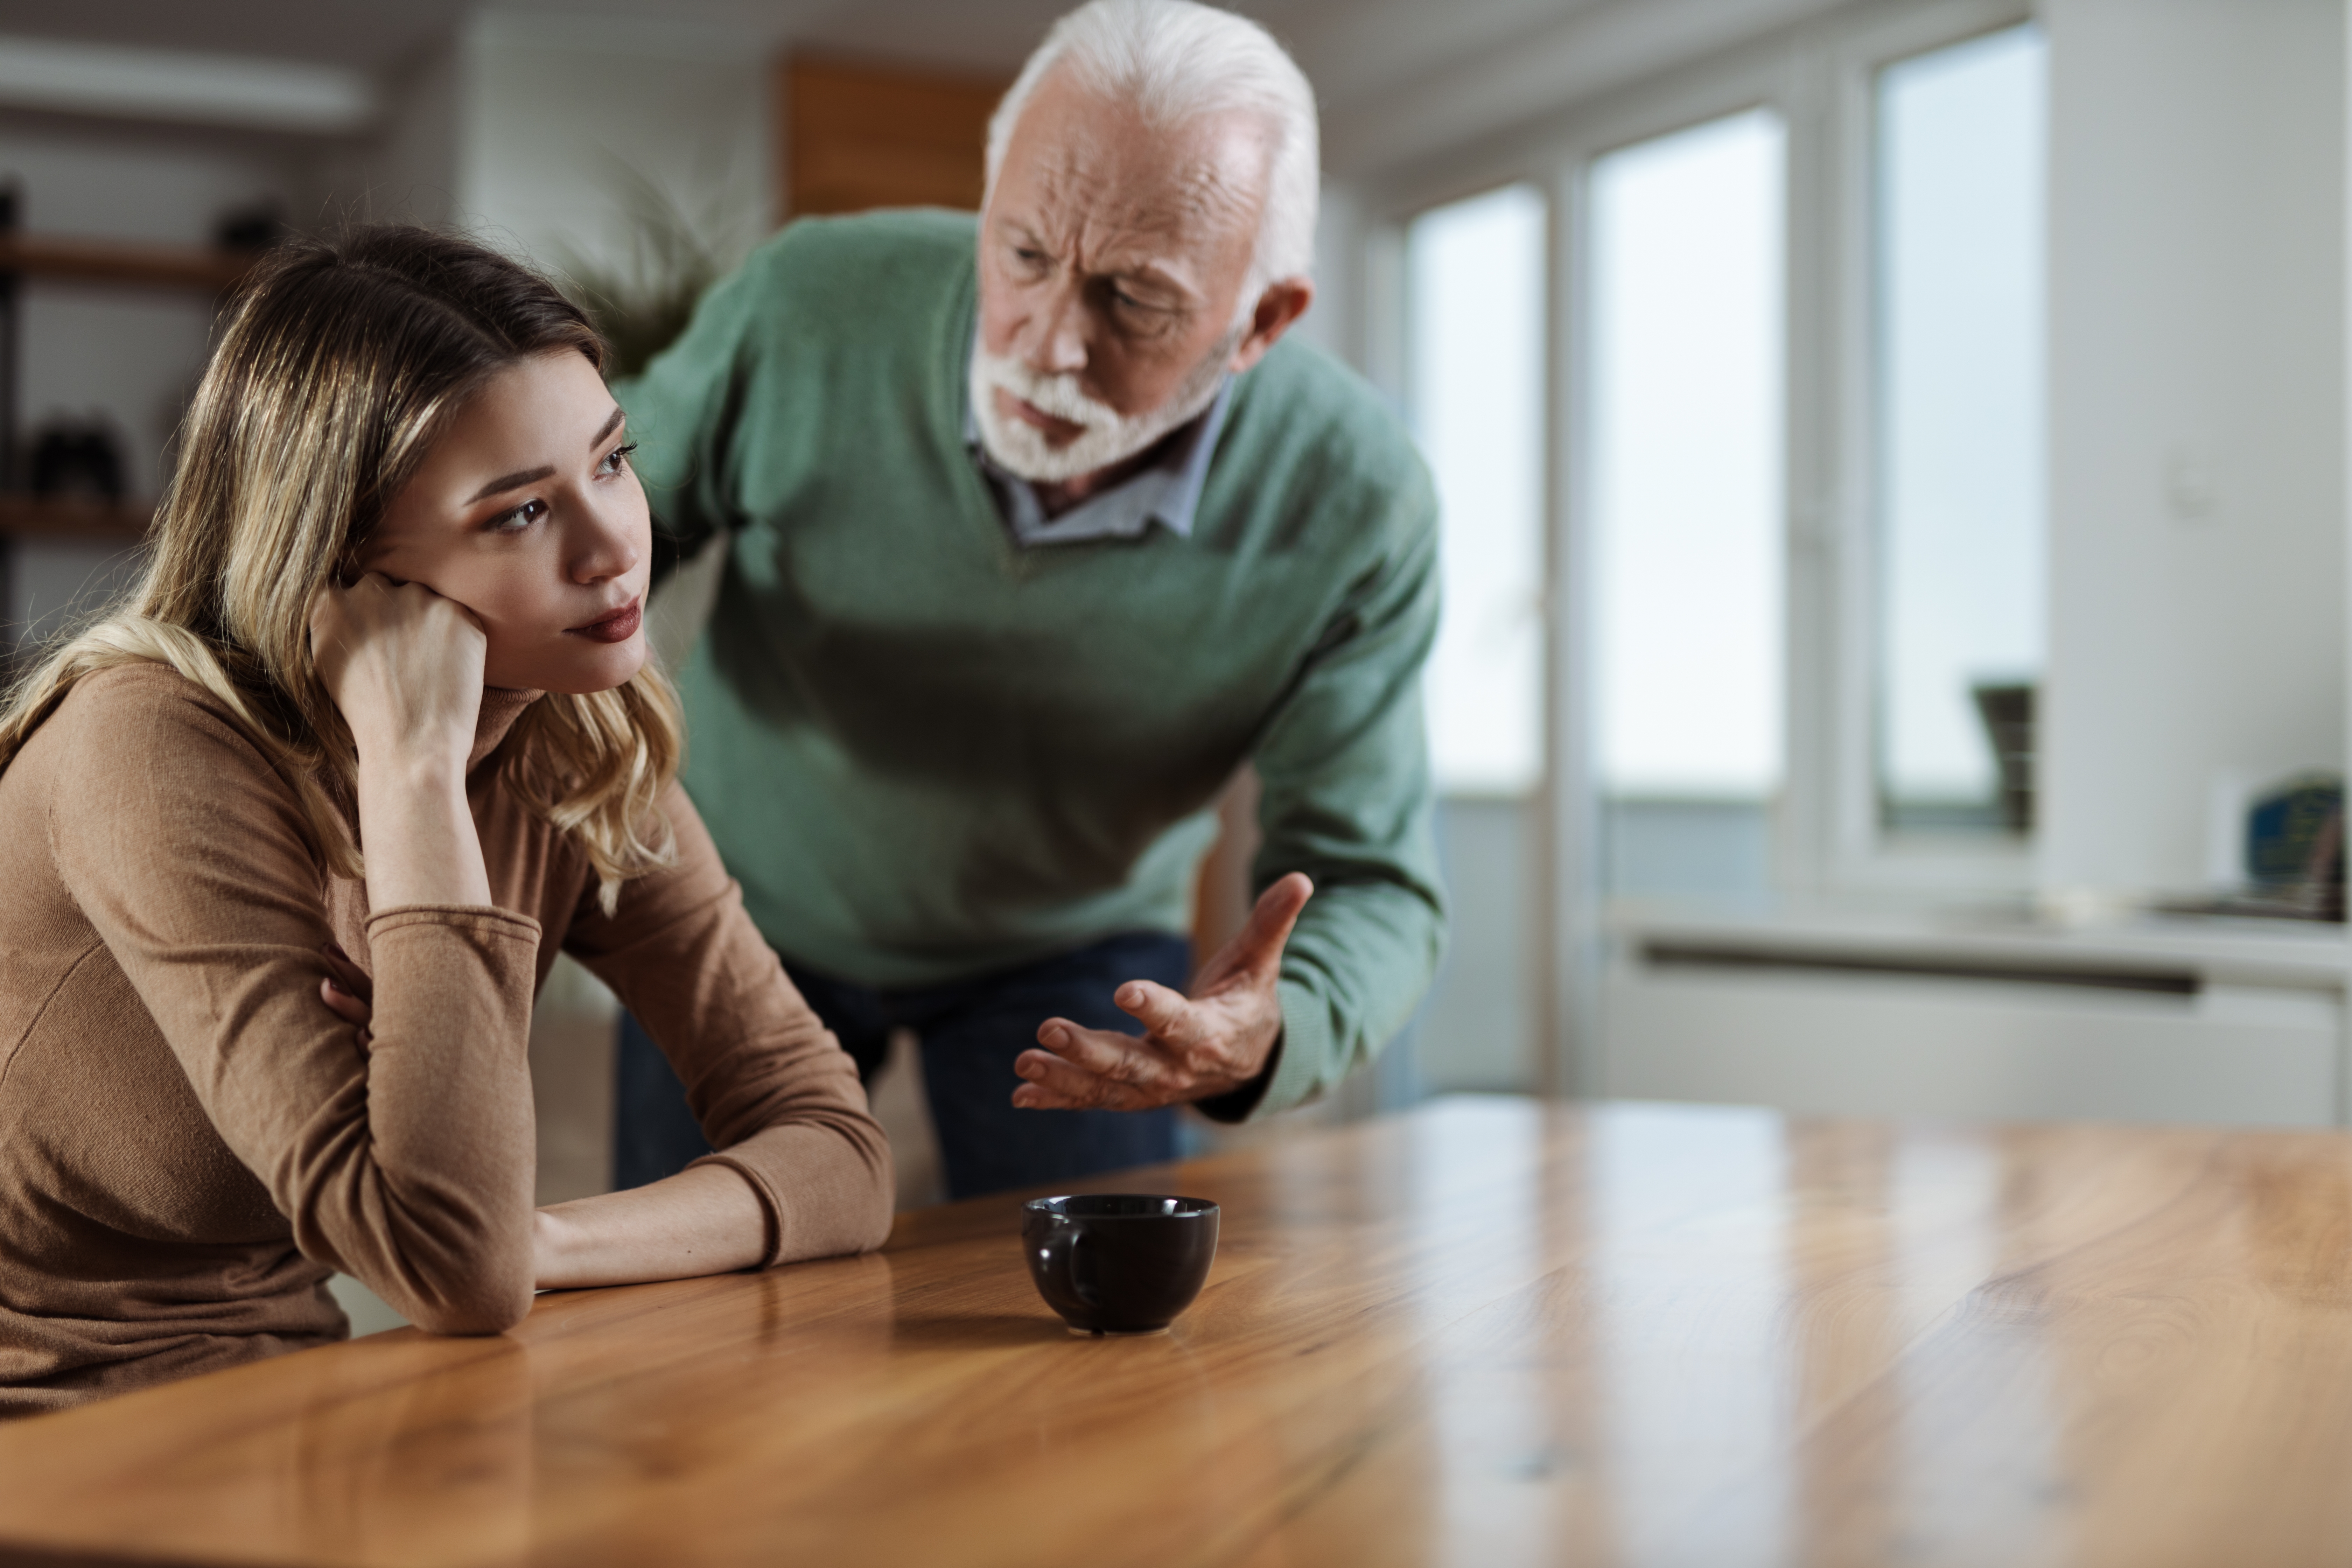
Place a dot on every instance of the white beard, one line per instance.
(1109, 437)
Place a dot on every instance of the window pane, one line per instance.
(1960, 302)
(1687, 343)
(1474, 277)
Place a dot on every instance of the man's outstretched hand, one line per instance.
(1193, 1047)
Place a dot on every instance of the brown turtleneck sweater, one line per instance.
(191, 1142)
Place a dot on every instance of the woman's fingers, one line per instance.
(349, 977)
(345, 1005)
(403, 664)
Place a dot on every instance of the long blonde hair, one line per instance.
(340, 364)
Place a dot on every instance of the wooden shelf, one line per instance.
(41, 517)
(117, 261)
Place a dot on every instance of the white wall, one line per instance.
(2196, 395)
(1335, 322)
(546, 107)
(405, 171)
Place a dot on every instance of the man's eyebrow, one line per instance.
(1154, 274)
(509, 482)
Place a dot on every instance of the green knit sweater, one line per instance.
(929, 754)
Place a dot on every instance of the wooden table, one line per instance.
(1485, 1333)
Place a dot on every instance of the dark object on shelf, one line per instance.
(77, 458)
(2007, 712)
(2286, 824)
(254, 227)
(2293, 856)
(2323, 883)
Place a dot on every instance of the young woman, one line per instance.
(289, 843)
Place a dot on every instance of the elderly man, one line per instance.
(1036, 532)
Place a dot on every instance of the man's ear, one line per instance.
(1285, 301)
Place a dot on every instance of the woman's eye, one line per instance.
(521, 518)
(617, 459)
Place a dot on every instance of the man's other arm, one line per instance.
(1349, 924)
(1346, 799)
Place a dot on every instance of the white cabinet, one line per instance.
(2142, 1024)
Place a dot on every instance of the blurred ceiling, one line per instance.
(1349, 45)
(351, 33)
(1393, 76)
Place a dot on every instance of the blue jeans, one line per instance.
(971, 1031)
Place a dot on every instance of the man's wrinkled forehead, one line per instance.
(1071, 197)
(1081, 165)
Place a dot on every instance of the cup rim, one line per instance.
(1199, 1208)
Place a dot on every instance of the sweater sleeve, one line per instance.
(1346, 797)
(406, 1159)
(772, 1088)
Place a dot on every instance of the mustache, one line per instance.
(1059, 395)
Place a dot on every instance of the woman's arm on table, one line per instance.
(803, 1169)
(774, 1092)
(407, 1164)
(705, 1220)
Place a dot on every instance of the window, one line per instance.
(1474, 284)
(1474, 277)
(1805, 565)
(1960, 421)
(1686, 495)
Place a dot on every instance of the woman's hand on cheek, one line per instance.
(405, 665)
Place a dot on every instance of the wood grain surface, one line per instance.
(1489, 1333)
(47, 517)
(853, 136)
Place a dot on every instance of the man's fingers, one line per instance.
(1054, 1082)
(1122, 1058)
(1169, 1014)
(1258, 948)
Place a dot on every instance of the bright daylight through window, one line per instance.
(1474, 276)
(1686, 398)
(1961, 430)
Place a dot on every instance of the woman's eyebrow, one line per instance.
(508, 482)
(532, 476)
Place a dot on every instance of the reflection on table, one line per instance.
(1487, 1332)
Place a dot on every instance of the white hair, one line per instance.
(1176, 62)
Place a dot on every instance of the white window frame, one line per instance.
(1846, 845)
(1821, 77)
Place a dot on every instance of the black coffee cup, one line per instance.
(1118, 1263)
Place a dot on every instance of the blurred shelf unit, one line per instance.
(116, 261)
(44, 516)
(109, 263)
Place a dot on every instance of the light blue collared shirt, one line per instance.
(1166, 491)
